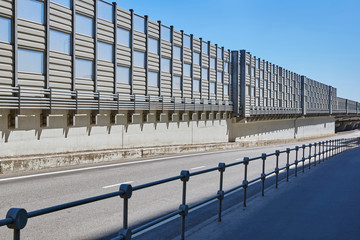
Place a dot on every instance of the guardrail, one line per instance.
(17, 218)
(48, 99)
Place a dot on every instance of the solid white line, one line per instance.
(197, 167)
(111, 165)
(118, 184)
(122, 164)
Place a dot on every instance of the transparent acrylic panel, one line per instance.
(153, 79)
(65, 3)
(31, 61)
(165, 65)
(105, 11)
(187, 70)
(105, 52)
(123, 37)
(84, 25)
(153, 45)
(60, 42)
(139, 24)
(139, 59)
(84, 69)
(5, 32)
(176, 82)
(123, 75)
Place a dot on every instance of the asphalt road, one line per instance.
(97, 220)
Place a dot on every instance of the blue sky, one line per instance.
(316, 38)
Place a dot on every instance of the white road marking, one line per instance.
(115, 165)
(128, 163)
(118, 184)
(197, 167)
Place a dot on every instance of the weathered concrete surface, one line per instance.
(298, 128)
(323, 203)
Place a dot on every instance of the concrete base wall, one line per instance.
(34, 132)
(28, 137)
(299, 128)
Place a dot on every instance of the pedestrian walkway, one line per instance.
(322, 203)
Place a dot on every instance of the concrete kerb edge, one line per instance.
(41, 162)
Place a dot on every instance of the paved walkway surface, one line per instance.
(322, 203)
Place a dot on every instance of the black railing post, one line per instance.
(127, 190)
(319, 152)
(20, 218)
(263, 175)
(287, 164)
(327, 150)
(277, 153)
(310, 145)
(303, 159)
(315, 153)
(245, 182)
(185, 176)
(221, 192)
(296, 160)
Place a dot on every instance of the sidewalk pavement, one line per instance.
(322, 203)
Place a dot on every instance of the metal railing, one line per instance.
(49, 99)
(17, 218)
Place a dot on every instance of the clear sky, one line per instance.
(316, 38)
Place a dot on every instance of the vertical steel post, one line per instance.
(263, 175)
(310, 145)
(172, 61)
(277, 153)
(221, 193)
(319, 152)
(73, 47)
(201, 57)
(315, 153)
(132, 53)
(287, 164)
(185, 176)
(115, 45)
(327, 149)
(15, 42)
(303, 159)
(160, 56)
(126, 193)
(192, 65)
(96, 52)
(182, 64)
(47, 45)
(16, 234)
(296, 160)
(146, 19)
(209, 71)
(223, 71)
(245, 182)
